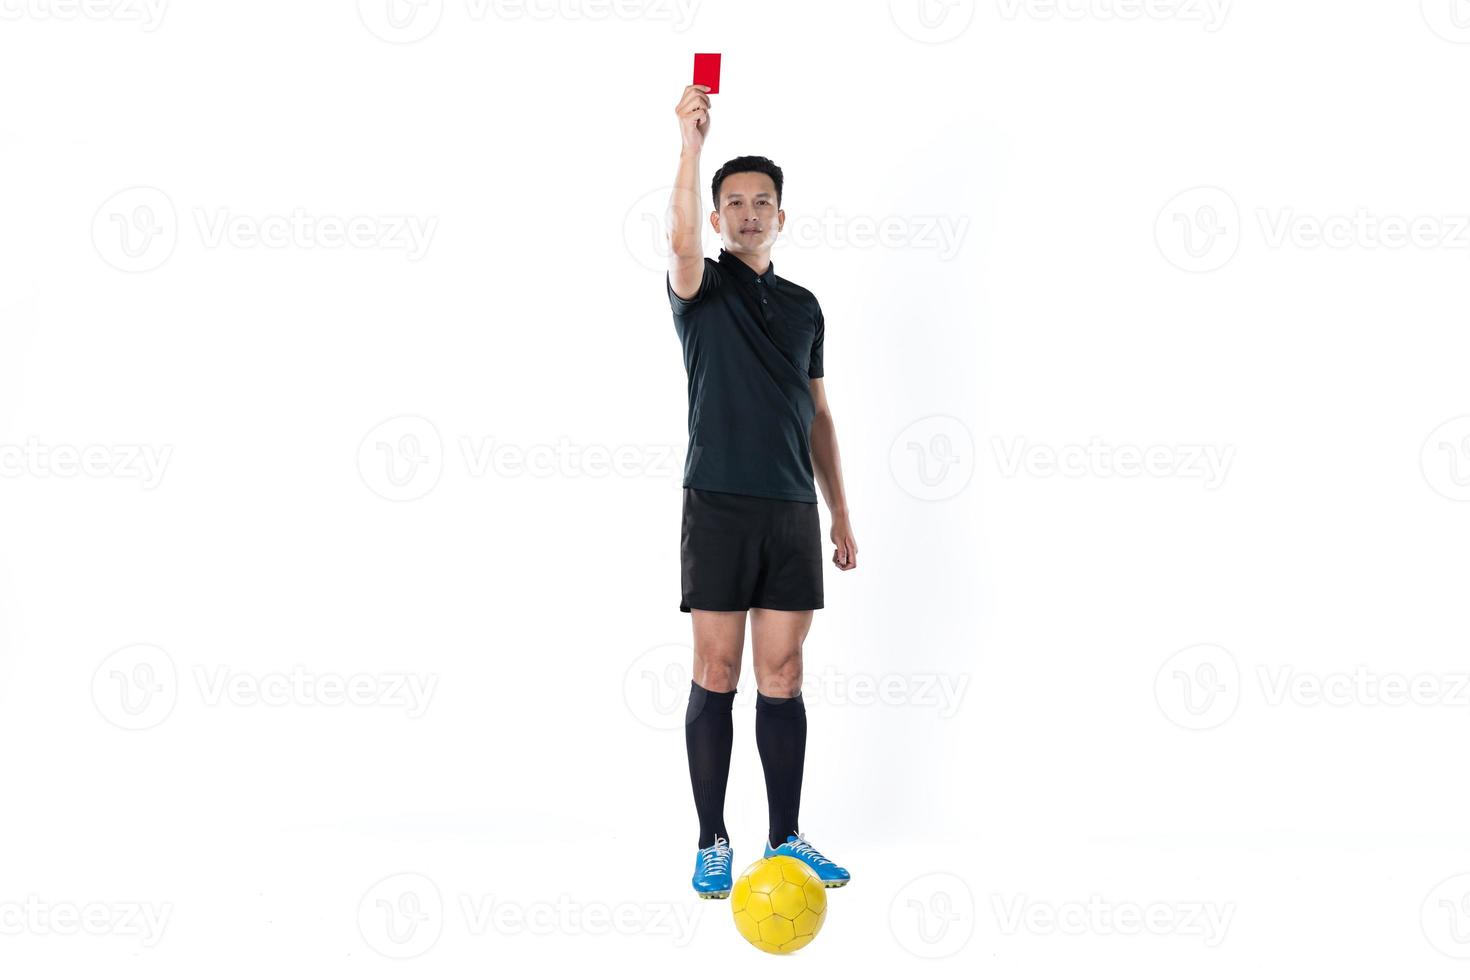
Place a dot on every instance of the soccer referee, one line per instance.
(760, 433)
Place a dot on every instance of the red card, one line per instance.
(707, 71)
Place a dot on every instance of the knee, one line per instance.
(782, 677)
(716, 673)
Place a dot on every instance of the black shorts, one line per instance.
(738, 551)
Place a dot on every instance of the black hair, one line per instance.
(742, 165)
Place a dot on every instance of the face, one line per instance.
(748, 219)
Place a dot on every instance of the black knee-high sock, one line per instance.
(780, 735)
(709, 732)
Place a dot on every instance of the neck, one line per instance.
(758, 261)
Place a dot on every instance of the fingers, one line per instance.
(845, 555)
(693, 98)
(693, 108)
(696, 116)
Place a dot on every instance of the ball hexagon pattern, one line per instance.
(779, 904)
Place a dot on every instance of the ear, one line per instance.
(714, 221)
(780, 218)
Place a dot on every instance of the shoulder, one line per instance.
(710, 281)
(798, 291)
(801, 295)
(710, 275)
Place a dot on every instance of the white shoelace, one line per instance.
(806, 850)
(717, 857)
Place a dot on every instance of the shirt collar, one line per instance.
(729, 260)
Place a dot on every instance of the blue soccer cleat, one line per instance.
(827, 870)
(712, 870)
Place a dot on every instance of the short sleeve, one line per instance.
(707, 282)
(814, 368)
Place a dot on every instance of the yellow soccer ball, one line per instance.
(779, 904)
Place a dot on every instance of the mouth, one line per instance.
(750, 231)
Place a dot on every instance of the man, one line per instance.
(759, 433)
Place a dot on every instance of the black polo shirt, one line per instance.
(752, 343)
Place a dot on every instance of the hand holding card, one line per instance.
(693, 113)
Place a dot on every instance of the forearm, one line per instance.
(685, 239)
(827, 464)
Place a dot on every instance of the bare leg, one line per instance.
(719, 642)
(776, 639)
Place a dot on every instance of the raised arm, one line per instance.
(686, 217)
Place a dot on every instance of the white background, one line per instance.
(1049, 700)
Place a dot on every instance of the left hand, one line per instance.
(845, 557)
